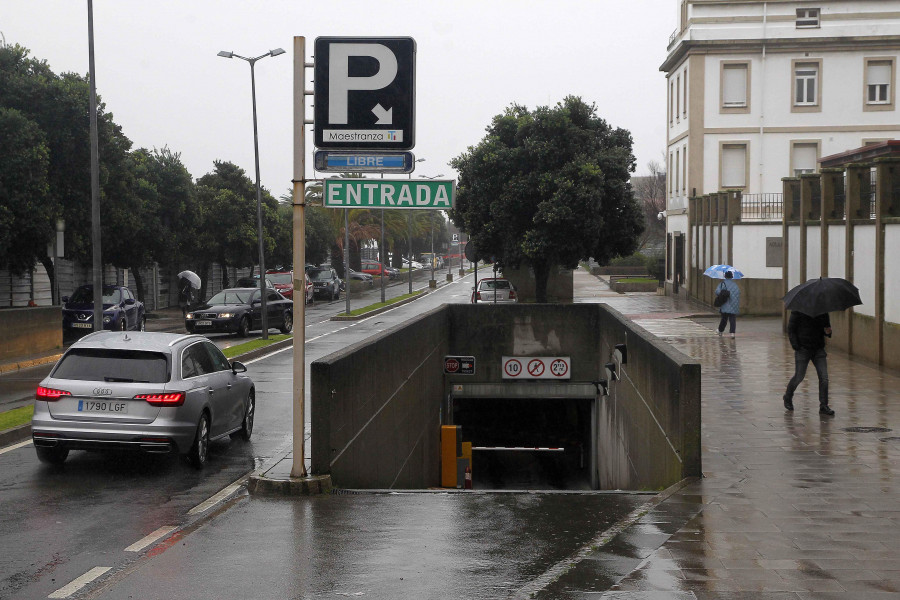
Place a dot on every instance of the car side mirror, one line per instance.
(238, 367)
(65, 299)
(129, 301)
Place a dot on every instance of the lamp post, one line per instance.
(409, 236)
(432, 283)
(259, 223)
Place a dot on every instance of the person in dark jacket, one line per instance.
(807, 336)
(732, 306)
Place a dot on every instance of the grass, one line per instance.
(377, 305)
(15, 417)
(239, 349)
(637, 280)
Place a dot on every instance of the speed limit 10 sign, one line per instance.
(536, 367)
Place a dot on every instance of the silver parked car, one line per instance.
(155, 392)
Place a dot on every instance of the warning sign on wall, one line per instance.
(536, 367)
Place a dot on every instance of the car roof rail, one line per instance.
(186, 336)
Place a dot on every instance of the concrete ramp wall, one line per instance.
(376, 408)
(649, 424)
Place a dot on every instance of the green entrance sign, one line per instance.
(388, 193)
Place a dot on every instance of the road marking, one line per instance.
(77, 584)
(213, 500)
(14, 446)
(146, 541)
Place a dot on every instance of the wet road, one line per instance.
(375, 546)
(56, 524)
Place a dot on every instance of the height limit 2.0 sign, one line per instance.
(536, 367)
(365, 93)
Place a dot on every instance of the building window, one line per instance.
(807, 18)
(671, 102)
(678, 98)
(733, 171)
(806, 78)
(677, 166)
(684, 170)
(804, 157)
(806, 85)
(735, 80)
(684, 103)
(669, 178)
(879, 84)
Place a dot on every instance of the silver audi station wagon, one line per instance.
(154, 392)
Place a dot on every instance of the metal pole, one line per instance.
(259, 223)
(433, 257)
(381, 254)
(95, 181)
(347, 256)
(298, 467)
(409, 273)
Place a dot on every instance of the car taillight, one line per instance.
(170, 399)
(512, 294)
(49, 394)
(478, 295)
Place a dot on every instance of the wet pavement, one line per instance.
(791, 506)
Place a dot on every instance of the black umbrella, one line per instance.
(822, 295)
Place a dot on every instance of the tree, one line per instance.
(27, 213)
(548, 187)
(650, 192)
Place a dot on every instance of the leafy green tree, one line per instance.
(27, 213)
(548, 187)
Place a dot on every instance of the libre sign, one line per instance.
(364, 95)
(388, 193)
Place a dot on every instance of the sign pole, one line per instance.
(298, 467)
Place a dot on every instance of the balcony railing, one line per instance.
(761, 207)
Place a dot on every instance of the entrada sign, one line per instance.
(387, 193)
(364, 96)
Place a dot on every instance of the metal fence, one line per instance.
(761, 207)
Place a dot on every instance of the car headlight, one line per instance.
(107, 319)
(227, 315)
(189, 316)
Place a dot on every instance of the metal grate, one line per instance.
(761, 207)
(867, 429)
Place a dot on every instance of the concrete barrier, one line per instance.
(377, 405)
(30, 331)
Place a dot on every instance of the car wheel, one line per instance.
(199, 451)
(247, 425)
(244, 327)
(287, 323)
(52, 456)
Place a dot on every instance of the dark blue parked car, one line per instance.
(121, 310)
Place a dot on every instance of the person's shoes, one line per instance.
(732, 336)
(718, 333)
(824, 410)
(788, 403)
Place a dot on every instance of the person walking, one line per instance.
(807, 335)
(732, 306)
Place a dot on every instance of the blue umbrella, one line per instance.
(718, 272)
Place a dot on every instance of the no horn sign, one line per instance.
(537, 367)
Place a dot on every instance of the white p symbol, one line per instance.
(340, 83)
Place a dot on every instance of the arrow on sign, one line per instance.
(385, 116)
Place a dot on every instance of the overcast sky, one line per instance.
(158, 73)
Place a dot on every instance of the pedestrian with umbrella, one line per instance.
(728, 296)
(809, 325)
(188, 281)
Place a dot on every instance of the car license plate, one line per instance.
(203, 323)
(83, 325)
(103, 406)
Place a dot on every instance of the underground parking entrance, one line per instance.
(379, 408)
(527, 437)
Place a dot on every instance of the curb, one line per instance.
(15, 435)
(372, 313)
(312, 485)
(33, 362)
(258, 352)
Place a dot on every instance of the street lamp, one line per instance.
(433, 257)
(259, 222)
(409, 236)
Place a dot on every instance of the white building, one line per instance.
(759, 90)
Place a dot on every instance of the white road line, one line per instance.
(77, 584)
(212, 501)
(146, 541)
(14, 446)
